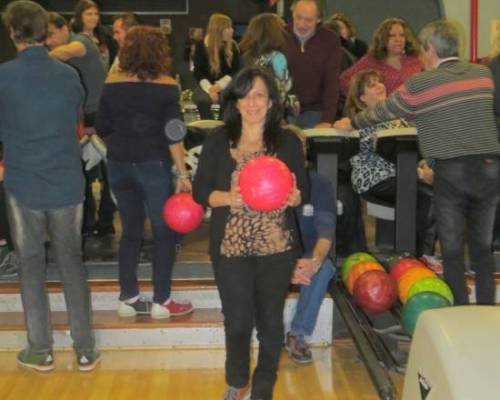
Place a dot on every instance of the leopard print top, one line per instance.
(249, 232)
(368, 168)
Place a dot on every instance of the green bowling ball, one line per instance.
(351, 260)
(393, 259)
(417, 304)
(433, 284)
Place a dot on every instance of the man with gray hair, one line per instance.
(452, 105)
(40, 102)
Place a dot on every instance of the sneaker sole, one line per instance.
(35, 367)
(89, 367)
(290, 354)
(182, 313)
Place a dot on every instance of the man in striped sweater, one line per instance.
(452, 105)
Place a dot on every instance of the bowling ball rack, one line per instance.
(376, 338)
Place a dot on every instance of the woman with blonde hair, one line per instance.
(394, 51)
(216, 60)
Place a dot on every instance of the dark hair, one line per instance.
(359, 81)
(239, 87)
(77, 22)
(342, 18)
(145, 53)
(378, 46)
(57, 20)
(28, 21)
(128, 20)
(265, 33)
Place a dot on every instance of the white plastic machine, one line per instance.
(455, 355)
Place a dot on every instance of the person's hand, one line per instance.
(295, 196)
(214, 96)
(1, 171)
(304, 270)
(183, 185)
(425, 173)
(343, 124)
(323, 125)
(234, 199)
(215, 88)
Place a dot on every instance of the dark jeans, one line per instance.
(253, 290)
(4, 222)
(426, 227)
(28, 228)
(466, 193)
(141, 189)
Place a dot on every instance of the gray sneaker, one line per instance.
(139, 307)
(298, 349)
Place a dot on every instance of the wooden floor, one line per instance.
(183, 375)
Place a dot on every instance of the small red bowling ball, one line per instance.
(265, 183)
(375, 291)
(401, 266)
(181, 213)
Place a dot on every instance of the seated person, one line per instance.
(393, 52)
(375, 176)
(316, 221)
(216, 60)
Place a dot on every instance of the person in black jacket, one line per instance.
(253, 252)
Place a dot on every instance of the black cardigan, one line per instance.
(214, 173)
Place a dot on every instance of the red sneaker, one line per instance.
(171, 308)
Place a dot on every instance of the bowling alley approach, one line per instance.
(249, 199)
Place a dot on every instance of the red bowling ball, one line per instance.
(401, 266)
(375, 291)
(181, 213)
(265, 183)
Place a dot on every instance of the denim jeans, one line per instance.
(466, 193)
(28, 228)
(310, 299)
(306, 119)
(254, 289)
(140, 189)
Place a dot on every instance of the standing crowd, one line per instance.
(76, 104)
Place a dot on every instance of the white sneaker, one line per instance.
(159, 311)
(140, 306)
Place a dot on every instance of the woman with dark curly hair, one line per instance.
(139, 116)
(253, 252)
(394, 51)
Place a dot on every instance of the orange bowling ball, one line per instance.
(409, 278)
(358, 270)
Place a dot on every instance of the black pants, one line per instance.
(426, 227)
(466, 193)
(106, 206)
(4, 222)
(253, 291)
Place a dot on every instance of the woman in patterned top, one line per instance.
(371, 174)
(262, 45)
(253, 252)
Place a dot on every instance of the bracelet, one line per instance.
(184, 175)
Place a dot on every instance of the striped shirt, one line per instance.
(452, 106)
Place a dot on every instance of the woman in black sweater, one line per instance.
(253, 252)
(139, 117)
